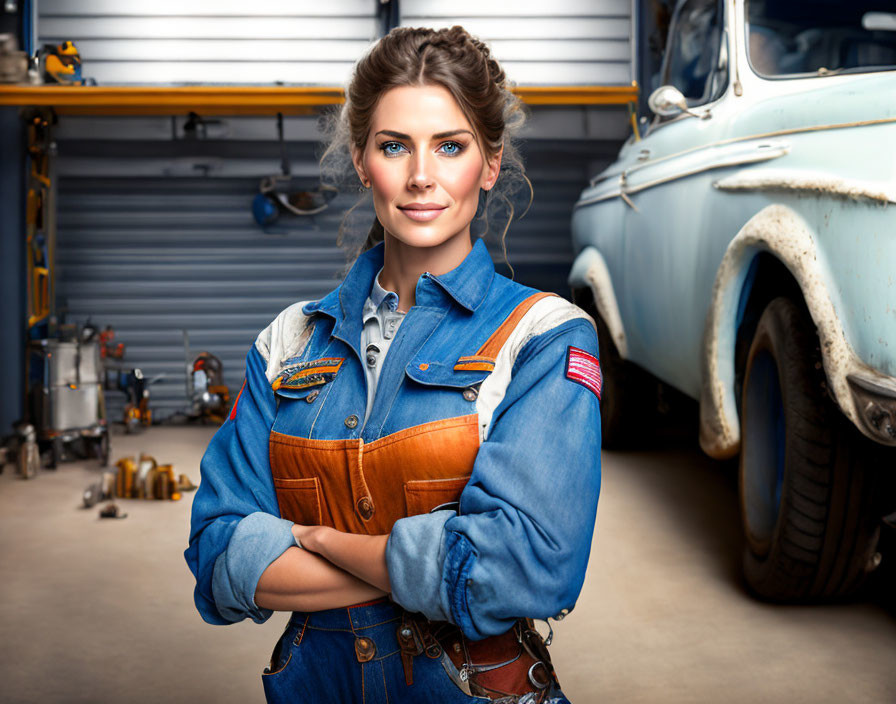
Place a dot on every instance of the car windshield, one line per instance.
(822, 37)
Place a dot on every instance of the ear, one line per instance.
(359, 166)
(492, 169)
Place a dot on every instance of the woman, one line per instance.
(412, 464)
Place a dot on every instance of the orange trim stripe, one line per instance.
(494, 344)
(316, 370)
(233, 410)
(475, 358)
(474, 366)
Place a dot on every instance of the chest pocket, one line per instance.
(300, 389)
(452, 379)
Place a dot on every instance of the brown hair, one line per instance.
(450, 58)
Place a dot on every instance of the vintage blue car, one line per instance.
(743, 251)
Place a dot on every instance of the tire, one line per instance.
(628, 397)
(806, 474)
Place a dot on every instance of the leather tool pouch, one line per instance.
(503, 666)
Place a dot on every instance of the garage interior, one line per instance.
(147, 182)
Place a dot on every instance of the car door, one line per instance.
(667, 192)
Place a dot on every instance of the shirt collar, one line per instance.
(379, 295)
(466, 284)
(378, 299)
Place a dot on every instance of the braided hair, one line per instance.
(463, 65)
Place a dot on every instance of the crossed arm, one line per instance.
(332, 569)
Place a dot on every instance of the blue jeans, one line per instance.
(316, 662)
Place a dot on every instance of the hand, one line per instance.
(310, 536)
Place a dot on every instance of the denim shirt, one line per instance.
(518, 544)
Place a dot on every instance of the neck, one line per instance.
(404, 264)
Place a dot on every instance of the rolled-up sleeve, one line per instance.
(519, 544)
(235, 530)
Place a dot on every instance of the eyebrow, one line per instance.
(440, 135)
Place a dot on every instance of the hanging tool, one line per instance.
(275, 197)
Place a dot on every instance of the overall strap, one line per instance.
(484, 359)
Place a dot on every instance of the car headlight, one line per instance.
(876, 405)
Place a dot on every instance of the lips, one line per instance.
(422, 206)
(422, 212)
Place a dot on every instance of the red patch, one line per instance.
(233, 410)
(584, 369)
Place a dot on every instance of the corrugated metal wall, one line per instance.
(229, 41)
(156, 234)
(585, 42)
(226, 41)
(155, 229)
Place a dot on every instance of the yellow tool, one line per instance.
(62, 63)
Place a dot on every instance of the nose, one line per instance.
(420, 176)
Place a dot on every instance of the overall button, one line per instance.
(365, 649)
(312, 395)
(351, 421)
(470, 394)
(365, 507)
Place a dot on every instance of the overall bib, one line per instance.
(377, 652)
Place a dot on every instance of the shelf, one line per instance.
(251, 100)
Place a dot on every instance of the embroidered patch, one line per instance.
(475, 362)
(584, 369)
(310, 373)
(233, 410)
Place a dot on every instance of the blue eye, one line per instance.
(391, 148)
(451, 148)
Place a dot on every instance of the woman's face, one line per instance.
(424, 166)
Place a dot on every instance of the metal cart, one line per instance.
(65, 398)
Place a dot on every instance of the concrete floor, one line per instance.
(101, 611)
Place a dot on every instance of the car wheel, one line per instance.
(628, 398)
(805, 471)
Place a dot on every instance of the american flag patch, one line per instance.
(584, 369)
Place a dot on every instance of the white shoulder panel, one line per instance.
(284, 338)
(545, 315)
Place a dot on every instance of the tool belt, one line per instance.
(500, 667)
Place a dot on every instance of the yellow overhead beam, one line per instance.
(252, 100)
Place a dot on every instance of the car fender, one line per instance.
(780, 231)
(590, 269)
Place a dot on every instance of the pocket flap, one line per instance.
(438, 374)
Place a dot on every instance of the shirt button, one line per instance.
(372, 352)
(351, 421)
(470, 394)
(365, 508)
(312, 395)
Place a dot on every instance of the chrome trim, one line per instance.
(766, 135)
(799, 181)
(765, 153)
